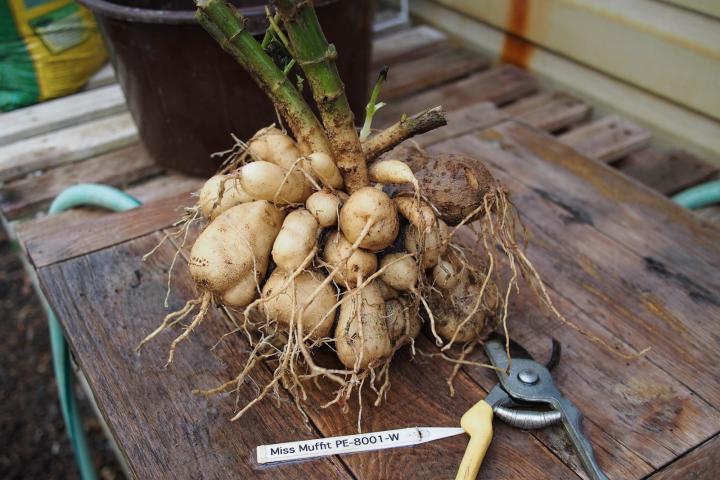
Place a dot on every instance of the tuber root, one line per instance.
(361, 335)
(370, 206)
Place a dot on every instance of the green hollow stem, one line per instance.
(317, 59)
(225, 24)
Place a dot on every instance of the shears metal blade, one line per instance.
(525, 385)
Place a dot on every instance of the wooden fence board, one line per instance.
(613, 37)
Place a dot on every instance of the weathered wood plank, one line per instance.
(156, 188)
(710, 214)
(107, 302)
(63, 112)
(118, 168)
(419, 396)
(701, 463)
(549, 111)
(620, 459)
(647, 409)
(406, 45)
(104, 76)
(637, 305)
(635, 216)
(498, 85)
(510, 453)
(663, 304)
(608, 426)
(667, 171)
(434, 69)
(459, 122)
(164, 186)
(53, 239)
(608, 139)
(423, 382)
(704, 7)
(67, 145)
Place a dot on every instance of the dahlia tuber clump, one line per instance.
(316, 240)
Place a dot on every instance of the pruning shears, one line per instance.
(524, 386)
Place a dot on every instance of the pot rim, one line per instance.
(106, 8)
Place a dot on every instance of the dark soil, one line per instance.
(33, 443)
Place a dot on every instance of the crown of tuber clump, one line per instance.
(316, 241)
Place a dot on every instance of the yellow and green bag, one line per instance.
(48, 48)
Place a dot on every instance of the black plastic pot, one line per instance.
(187, 95)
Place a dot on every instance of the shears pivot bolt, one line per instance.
(528, 377)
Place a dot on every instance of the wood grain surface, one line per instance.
(70, 144)
(428, 71)
(549, 111)
(405, 45)
(54, 239)
(673, 244)
(607, 139)
(108, 302)
(498, 85)
(162, 427)
(423, 381)
(619, 260)
(459, 122)
(59, 113)
(667, 171)
(118, 168)
(655, 408)
(702, 463)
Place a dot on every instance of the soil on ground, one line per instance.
(33, 442)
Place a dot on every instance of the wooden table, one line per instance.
(620, 260)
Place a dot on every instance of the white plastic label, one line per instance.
(362, 442)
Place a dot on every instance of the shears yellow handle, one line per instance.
(477, 422)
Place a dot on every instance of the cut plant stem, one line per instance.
(227, 27)
(317, 59)
(373, 105)
(406, 128)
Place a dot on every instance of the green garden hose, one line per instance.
(78, 195)
(699, 196)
